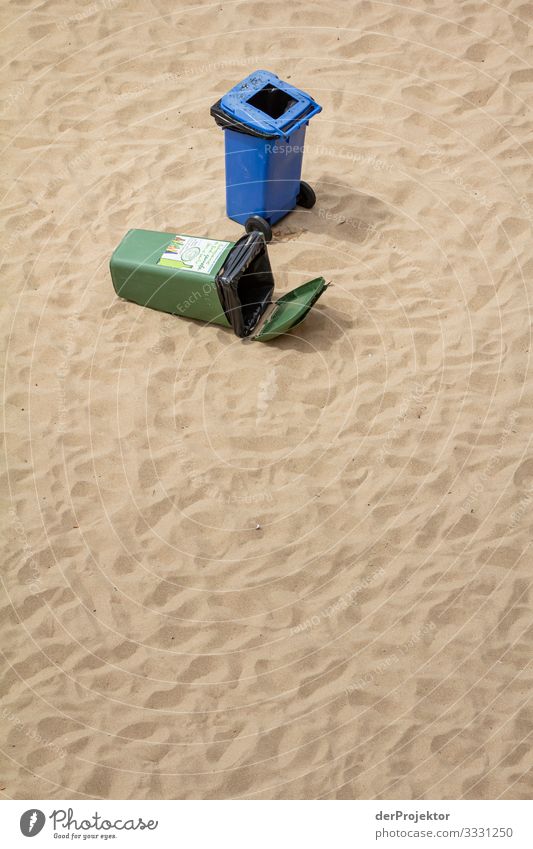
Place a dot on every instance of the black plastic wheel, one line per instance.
(255, 222)
(306, 196)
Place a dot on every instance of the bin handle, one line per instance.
(312, 110)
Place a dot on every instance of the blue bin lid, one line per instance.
(286, 105)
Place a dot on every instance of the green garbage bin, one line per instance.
(226, 283)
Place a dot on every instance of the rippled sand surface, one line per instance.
(292, 570)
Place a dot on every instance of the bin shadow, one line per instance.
(339, 212)
(321, 327)
(319, 331)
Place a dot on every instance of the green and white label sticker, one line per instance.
(193, 254)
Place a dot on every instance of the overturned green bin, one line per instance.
(226, 283)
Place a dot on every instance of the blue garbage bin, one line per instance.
(264, 121)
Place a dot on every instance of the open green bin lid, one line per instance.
(290, 310)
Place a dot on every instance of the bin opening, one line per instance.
(272, 101)
(245, 283)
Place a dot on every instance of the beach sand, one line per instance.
(292, 570)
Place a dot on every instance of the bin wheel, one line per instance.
(255, 222)
(306, 196)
